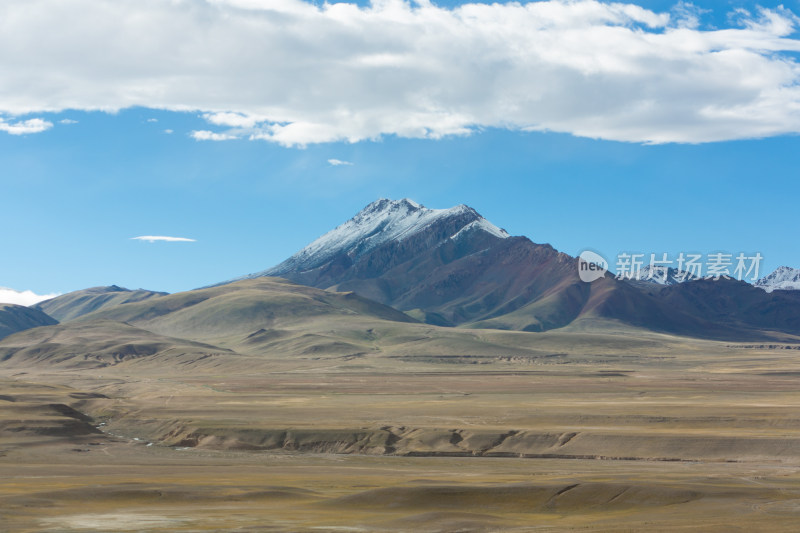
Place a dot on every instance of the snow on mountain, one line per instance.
(381, 221)
(481, 224)
(662, 275)
(783, 278)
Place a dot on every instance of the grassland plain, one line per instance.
(431, 430)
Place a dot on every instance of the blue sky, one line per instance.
(609, 177)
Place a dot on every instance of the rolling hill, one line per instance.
(98, 344)
(78, 303)
(249, 311)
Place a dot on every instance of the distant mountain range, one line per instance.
(783, 278)
(399, 262)
(452, 267)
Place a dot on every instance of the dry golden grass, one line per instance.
(131, 487)
(599, 432)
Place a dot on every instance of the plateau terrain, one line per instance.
(431, 373)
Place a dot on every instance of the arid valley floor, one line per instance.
(599, 432)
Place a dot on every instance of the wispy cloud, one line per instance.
(67, 121)
(339, 162)
(152, 120)
(24, 127)
(162, 238)
(205, 135)
(596, 69)
(10, 296)
(169, 131)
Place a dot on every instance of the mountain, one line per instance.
(78, 303)
(14, 318)
(443, 266)
(783, 278)
(452, 267)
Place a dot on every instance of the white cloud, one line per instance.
(67, 121)
(339, 162)
(169, 132)
(10, 296)
(161, 238)
(296, 73)
(23, 127)
(205, 135)
(152, 120)
(234, 120)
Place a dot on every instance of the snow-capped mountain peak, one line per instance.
(783, 278)
(379, 222)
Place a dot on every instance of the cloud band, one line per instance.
(295, 73)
